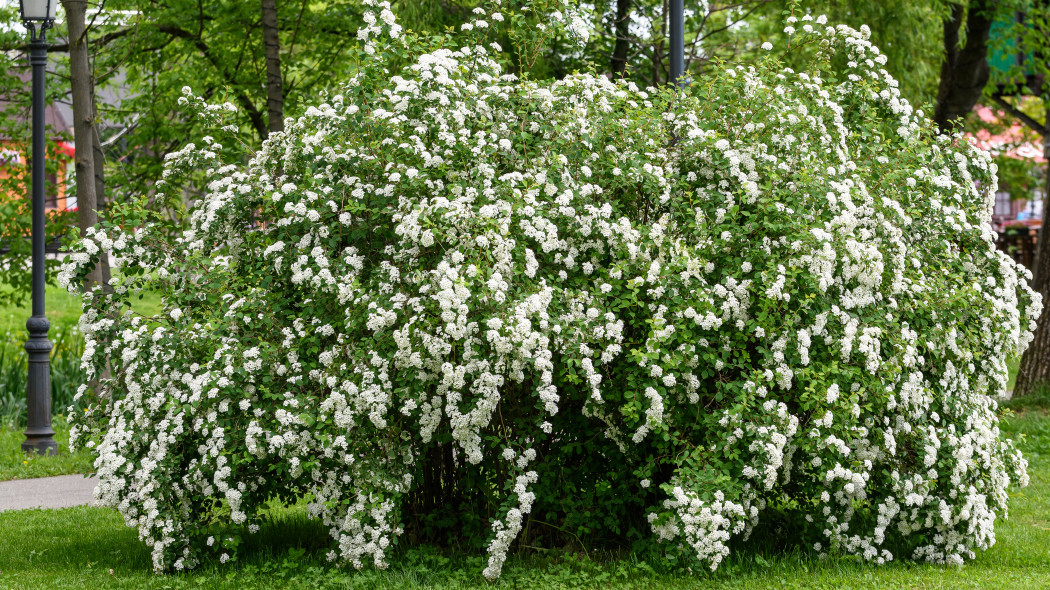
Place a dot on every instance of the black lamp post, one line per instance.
(38, 16)
(677, 38)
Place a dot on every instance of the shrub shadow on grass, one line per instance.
(284, 529)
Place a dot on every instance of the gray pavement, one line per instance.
(47, 492)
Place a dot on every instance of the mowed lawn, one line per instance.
(15, 464)
(62, 310)
(91, 548)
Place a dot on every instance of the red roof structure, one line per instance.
(1012, 142)
(14, 135)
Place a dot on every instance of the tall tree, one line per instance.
(964, 71)
(264, 58)
(622, 42)
(1030, 37)
(99, 161)
(1032, 77)
(1034, 370)
(274, 92)
(83, 122)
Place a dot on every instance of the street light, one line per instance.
(38, 16)
(677, 34)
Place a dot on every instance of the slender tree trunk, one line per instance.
(274, 92)
(658, 48)
(622, 32)
(99, 161)
(964, 71)
(83, 123)
(1034, 371)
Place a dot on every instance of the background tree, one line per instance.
(274, 82)
(1030, 36)
(84, 131)
(262, 58)
(964, 70)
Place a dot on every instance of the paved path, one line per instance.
(47, 492)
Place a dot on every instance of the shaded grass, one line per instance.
(1036, 400)
(15, 464)
(77, 548)
(1012, 365)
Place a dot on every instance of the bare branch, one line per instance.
(1019, 114)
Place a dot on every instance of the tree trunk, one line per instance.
(1034, 371)
(964, 72)
(83, 123)
(274, 92)
(658, 47)
(99, 161)
(622, 32)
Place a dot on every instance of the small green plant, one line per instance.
(67, 375)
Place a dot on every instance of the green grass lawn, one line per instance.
(15, 464)
(91, 548)
(1012, 365)
(62, 309)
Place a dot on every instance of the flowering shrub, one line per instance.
(451, 299)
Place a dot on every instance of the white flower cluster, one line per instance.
(450, 263)
(706, 526)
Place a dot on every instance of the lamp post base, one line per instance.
(39, 434)
(40, 443)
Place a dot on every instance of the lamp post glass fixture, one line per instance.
(38, 16)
